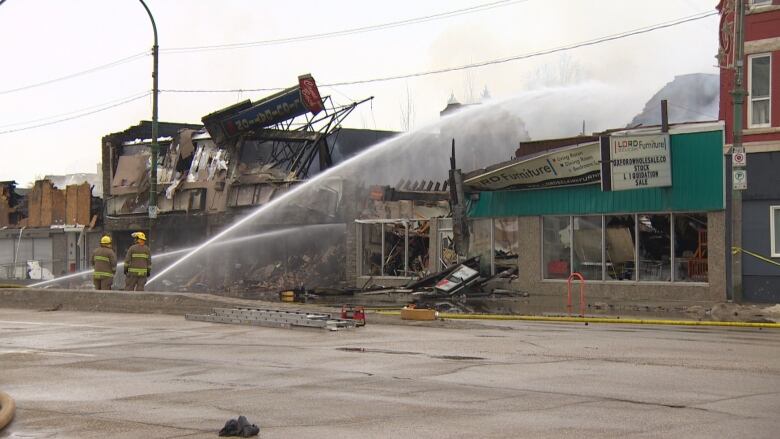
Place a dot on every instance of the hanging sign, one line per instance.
(636, 162)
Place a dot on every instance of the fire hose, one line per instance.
(7, 409)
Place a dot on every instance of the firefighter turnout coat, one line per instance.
(104, 263)
(138, 260)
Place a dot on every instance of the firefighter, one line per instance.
(138, 263)
(104, 264)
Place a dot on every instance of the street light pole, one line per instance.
(155, 146)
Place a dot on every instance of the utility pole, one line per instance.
(734, 201)
(155, 146)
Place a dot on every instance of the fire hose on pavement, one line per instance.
(7, 409)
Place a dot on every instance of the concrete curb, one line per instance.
(625, 321)
(122, 301)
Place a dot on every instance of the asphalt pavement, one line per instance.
(77, 374)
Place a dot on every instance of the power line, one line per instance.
(126, 101)
(80, 73)
(343, 32)
(572, 46)
(54, 116)
(442, 15)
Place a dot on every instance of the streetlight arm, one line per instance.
(154, 26)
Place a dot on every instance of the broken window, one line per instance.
(446, 255)
(655, 247)
(587, 247)
(396, 248)
(372, 249)
(556, 244)
(417, 253)
(506, 244)
(690, 247)
(620, 238)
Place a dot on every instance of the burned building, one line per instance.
(401, 233)
(46, 231)
(242, 158)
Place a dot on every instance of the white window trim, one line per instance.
(750, 88)
(773, 249)
(759, 3)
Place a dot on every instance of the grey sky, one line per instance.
(45, 39)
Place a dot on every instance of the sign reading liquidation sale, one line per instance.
(570, 166)
(639, 161)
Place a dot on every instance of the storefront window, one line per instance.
(480, 242)
(690, 247)
(655, 248)
(506, 242)
(620, 238)
(587, 247)
(556, 244)
(372, 249)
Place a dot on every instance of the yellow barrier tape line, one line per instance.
(595, 320)
(737, 250)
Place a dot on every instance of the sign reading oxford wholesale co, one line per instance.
(635, 162)
(574, 165)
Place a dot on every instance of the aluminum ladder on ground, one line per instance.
(275, 318)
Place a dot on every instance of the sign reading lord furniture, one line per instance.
(635, 162)
(569, 166)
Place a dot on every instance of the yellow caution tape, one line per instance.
(737, 250)
(596, 320)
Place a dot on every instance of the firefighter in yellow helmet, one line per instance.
(104, 264)
(138, 263)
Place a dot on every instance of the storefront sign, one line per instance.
(739, 179)
(287, 104)
(574, 165)
(636, 162)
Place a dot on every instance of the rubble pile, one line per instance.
(312, 270)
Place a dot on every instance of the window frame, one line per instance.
(759, 3)
(673, 280)
(774, 250)
(751, 99)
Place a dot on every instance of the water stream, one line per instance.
(484, 134)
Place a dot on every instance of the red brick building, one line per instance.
(761, 121)
(757, 211)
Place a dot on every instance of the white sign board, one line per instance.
(738, 159)
(739, 179)
(640, 161)
(574, 165)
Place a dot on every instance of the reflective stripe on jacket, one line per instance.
(138, 260)
(104, 262)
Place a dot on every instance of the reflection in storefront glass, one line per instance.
(556, 244)
(587, 247)
(655, 251)
(690, 247)
(620, 235)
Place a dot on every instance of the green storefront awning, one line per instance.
(697, 185)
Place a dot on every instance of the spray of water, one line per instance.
(484, 135)
(168, 254)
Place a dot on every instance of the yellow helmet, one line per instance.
(139, 235)
(106, 240)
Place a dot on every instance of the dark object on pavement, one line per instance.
(239, 427)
